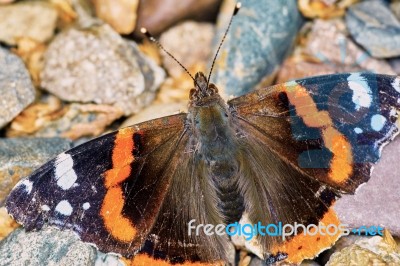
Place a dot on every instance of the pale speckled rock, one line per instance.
(45, 247)
(189, 42)
(261, 35)
(375, 27)
(376, 250)
(19, 157)
(33, 19)
(16, 88)
(97, 65)
(376, 202)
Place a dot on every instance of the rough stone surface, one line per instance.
(157, 15)
(50, 118)
(19, 157)
(369, 251)
(340, 54)
(16, 87)
(324, 8)
(376, 202)
(33, 19)
(120, 14)
(97, 65)
(189, 42)
(45, 247)
(260, 37)
(375, 27)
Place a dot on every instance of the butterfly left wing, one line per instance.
(306, 141)
(108, 190)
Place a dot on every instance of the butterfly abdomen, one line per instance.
(217, 144)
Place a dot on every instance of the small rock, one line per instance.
(97, 65)
(155, 110)
(48, 246)
(259, 40)
(157, 15)
(34, 19)
(374, 27)
(19, 157)
(120, 14)
(50, 118)
(325, 9)
(189, 42)
(371, 251)
(16, 87)
(317, 56)
(376, 203)
(7, 224)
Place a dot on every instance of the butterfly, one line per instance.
(283, 153)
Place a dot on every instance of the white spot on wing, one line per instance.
(64, 173)
(361, 91)
(396, 84)
(28, 185)
(86, 205)
(64, 208)
(378, 122)
(45, 208)
(358, 130)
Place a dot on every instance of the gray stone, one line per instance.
(97, 65)
(376, 202)
(261, 35)
(19, 157)
(32, 19)
(45, 247)
(16, 87)
(373, 25)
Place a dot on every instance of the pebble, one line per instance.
(7, 224)
(120, 14)
(158, 16)
(34, 19)
(97, 65)
(48, 246)
(190, 43)
(373, 26)
(376, 250)
(325, 9)
(20, 156)
(377, 201)
(51, 118)
(259, 39)
(16, 88)
(316, 56)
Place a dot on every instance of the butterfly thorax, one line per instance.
(214, 143)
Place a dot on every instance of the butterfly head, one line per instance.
(203, 92)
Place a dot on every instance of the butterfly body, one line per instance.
(215, 146)
(278, 155)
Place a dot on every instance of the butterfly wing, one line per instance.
(306, 141)
(330, 127)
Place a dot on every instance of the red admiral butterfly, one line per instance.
(279, 154)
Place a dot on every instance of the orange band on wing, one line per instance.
(146, 260)
(341, 164)
(302, 246)
(117, 225)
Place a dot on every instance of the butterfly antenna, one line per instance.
(235, 11)
(154, 40)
